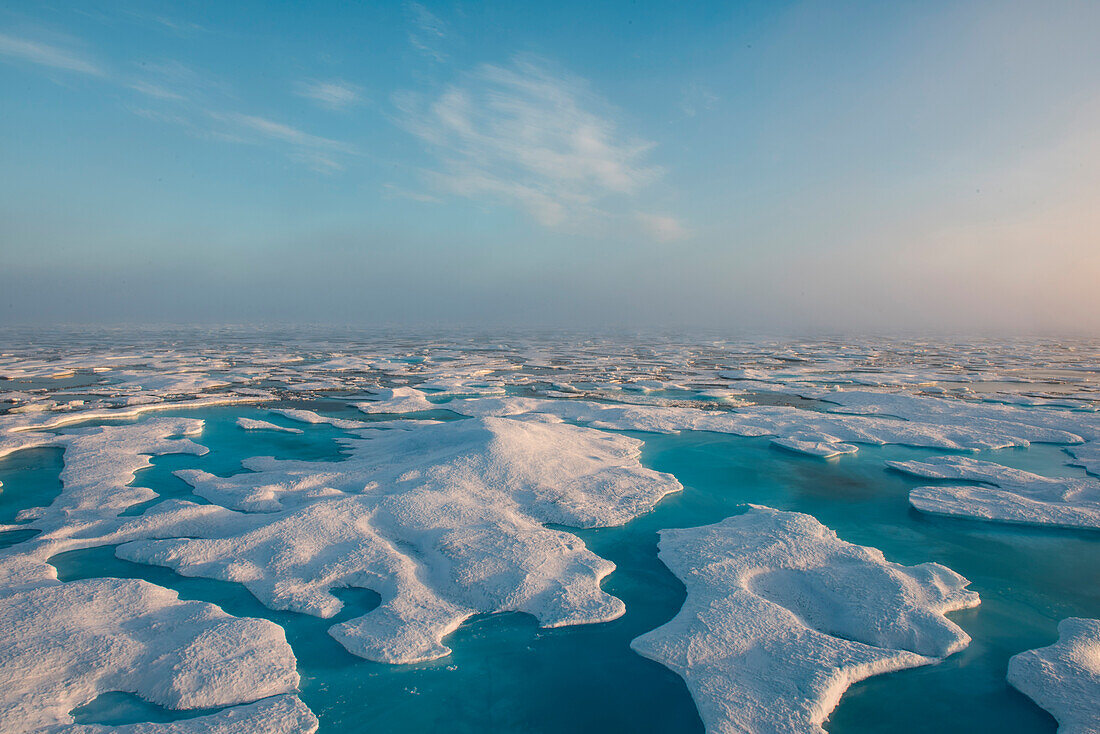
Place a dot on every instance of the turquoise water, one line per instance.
(508, 675)
(116, 708)
(31, 478)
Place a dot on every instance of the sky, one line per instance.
(831, 167)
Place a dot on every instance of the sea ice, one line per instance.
(65, 644)
(167, 383)
(1088, 456)
(284, 714)
(308, 416)
(815, 444)
(1023, 424)
(398, 400)
(443, 521)
(251, 424)
(448, 520)
(100, 464)
(1064, 678)
(1015, 496)
(454, 386)
(347, 363)
(13, 442)
(15, 424)
(782, 616)
(779, 421)
(316, 385)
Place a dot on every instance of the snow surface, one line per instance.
(1015, 496)
(310, 416)
(443, 521)
(1064, 678)
(276, 715)
(398, 400)
(1021, 424)
(65, 644)
(781, 617)
(821, 445)
(252, 424)
(1087, 456)
(12, 426)
(452, 386)
(780, 421)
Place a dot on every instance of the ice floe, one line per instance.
(1064, 678)
(252, 424)
(815, 444)
(1022, 424)
(452, 386)
(443, 521)
(65, 644)
(779, 421)
(1087, 456)
(100, 464)
(309, 416)
(781, 617)
(167, 383)
(398, 400)
(1010, 495)
(285, 714)
(14, 424)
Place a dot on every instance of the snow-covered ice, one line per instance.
(780, 421)
(64, 644)
(285, 714)
(444, 521)
(450, 519)
(397, 400)
(821, 445)
(782, 616)
(1009, 495)
(252, 424)
(308, 416)
(1087, 456)
(1064, 678)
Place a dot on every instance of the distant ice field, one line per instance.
(461, 533)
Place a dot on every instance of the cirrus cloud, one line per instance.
(333, 94)
(541, 141)
(45, 54)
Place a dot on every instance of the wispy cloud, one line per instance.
(55, 57)
(393, 191)
(696, 98)
(661, 228)
(155, 90)
(114, 16)
(334, 94)
(45, 54)
(427, 32)
(278, 131)
(182, 27)
(178, 91)
(526, 136)
(321, 154)
(170, 79)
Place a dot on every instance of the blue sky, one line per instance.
(781, 166)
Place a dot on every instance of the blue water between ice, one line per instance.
(507, 675)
